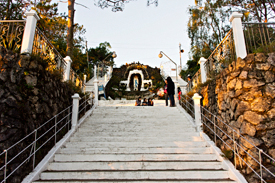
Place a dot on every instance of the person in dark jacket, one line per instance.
(165, 92)
(145, 103)
(171, 91)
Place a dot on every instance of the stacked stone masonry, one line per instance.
(243, 96)
(29, 96)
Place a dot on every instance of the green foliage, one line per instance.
(192, 68)
(12, 9)
(266, 48)
(76, 89)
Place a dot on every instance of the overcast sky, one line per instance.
(138, 33)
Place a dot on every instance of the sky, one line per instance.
(138, 33)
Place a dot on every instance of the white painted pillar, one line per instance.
(85, 78)
(202, 68)
(238, 34)
(197, 110)
(96, 91)
(66, 75)
(95, 71)
(29, 32)
(75, 110)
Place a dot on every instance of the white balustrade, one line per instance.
(238, 34)
(197, 109)
(29, 32)
(75, 110)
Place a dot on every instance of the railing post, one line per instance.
(55, 122)
(29, 32)
(85, 78)
(34, 148)
(197, 108)
(68, 61)
(96, 91)
(202, 68)
(260, 159)
(238, 34)
(6, 160)
(95, 71)
(234, 147)
(75, 110)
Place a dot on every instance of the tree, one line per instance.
(118, 5)
(12, 9)
(70, 27)
(260, 10)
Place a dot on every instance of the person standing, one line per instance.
(171, 91)
(179, 93)
(165, 92)
(138, 102)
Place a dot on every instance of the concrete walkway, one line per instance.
(136, 144)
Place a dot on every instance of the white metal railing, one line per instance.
(259, 37)
(40, 140)
(235, 142)
(188, 104)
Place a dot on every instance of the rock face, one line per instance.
(243, 96)
(29, 96)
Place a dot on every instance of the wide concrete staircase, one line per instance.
(136, 144)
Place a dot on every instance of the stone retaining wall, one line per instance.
(243, 95)
(29, 96)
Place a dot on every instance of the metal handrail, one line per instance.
(63, 63)
(230, 53)
(12, 20)
(260, 36)
(11, 33)
(32, 144)
(205, 118)
(236, 144)
(187, 105)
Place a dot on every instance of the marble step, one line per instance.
(136, 175)
(137, 144)
(129, 130)
(134, 157)
(96, 166)
(135, 139)
(129, 150)
(134, 134)
(133, 181)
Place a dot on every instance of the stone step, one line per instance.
(129, 150)
(134, 157)
(135, 134)
(132, 181)
(131, 121)
(96, 166)
(129, 130)
(137, 175)
(179, 144)
(134, 139)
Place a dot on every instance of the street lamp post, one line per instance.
(181, 51)
(114, 55)
(161, 55)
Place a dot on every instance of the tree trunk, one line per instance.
(70, 31)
